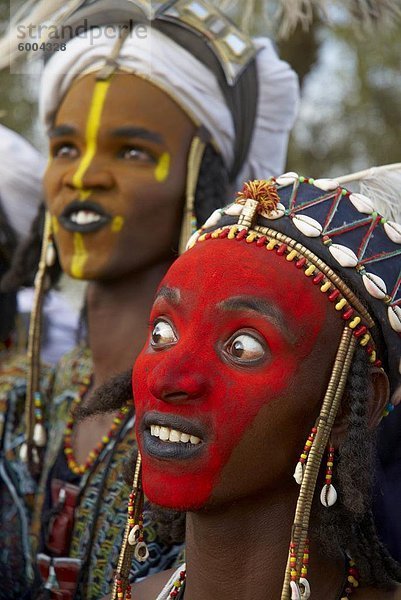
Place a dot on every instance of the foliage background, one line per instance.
(351, 97)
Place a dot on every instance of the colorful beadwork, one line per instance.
(177, 585)
(73, 465)
(352, 581)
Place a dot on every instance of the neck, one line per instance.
(241, 551)
(118, 314)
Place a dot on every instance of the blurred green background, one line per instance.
(350, 113)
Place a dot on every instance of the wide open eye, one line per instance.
(65, 150)
(163, 335)
(246, 348)
(134, 153)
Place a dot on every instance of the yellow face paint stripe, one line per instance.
(92, 128)
(79, 258)
(162, 169)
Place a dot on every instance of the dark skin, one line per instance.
(136, 174)
(237, 544)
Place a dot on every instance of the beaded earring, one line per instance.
(133, 542)
(328, 495)
(34, 428)
(300, 468)
(196, 151)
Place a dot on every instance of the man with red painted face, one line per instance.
(145, 134)
(281, 351)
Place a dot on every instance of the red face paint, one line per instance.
(222, 290)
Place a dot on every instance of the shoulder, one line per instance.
(151, 587)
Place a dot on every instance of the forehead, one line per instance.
(215, 270)
(129, 99)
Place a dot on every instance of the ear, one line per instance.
(377, 397)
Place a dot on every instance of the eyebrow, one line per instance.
(137, 132)
(270, 311)
(172, 295)
(61, 130)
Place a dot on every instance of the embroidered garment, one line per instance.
(101, 514)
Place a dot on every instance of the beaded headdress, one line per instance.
(340, 242)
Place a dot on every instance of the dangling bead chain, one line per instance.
(120, 590)
(352, 581)
(177, 585)
(73, 465)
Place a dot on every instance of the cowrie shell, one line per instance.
(213, 219)
(133, 535)
(305, 588)
(234, 210)
(328, 495)
(362, 203)
(393, 231)
(326, 185)
(274, 214)
(23, 453)
(374, 285)
(141, 552)
(39, 435)
(299, 473)
(343, 255)
(394, 316)
(295, 593)
(287, 178)
(192, 240)
(50, 255)
(308, 226)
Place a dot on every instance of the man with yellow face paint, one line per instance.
(146, 136)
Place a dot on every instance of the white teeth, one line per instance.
(84, 217)
(173, 435)
(164, 433)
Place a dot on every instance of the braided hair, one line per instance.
(348, 527)
(211, 193)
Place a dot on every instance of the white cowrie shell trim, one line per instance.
(233, 210)
(374, 285)
(308, 226)
(327, 185)
(393, 231)
(343, 255)
(394, 316)
(213, 219)
(362, 203)
(274, 214)
(287, 178)
(328, 495)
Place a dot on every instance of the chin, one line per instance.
(182, 492)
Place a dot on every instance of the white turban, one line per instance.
(21, 171)
(192, 85)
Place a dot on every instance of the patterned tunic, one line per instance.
(101, 514)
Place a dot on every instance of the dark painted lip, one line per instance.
(170, 450)
(174, 422)
(88, 205)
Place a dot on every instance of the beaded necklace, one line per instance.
(72, 463)
(351, 583)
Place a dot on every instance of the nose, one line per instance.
(177, 386)
(94, 177)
